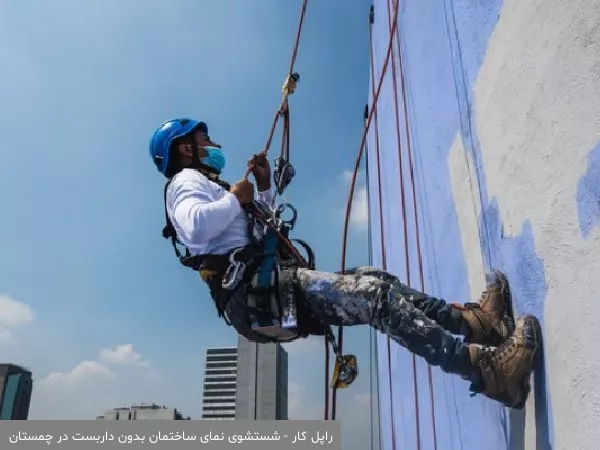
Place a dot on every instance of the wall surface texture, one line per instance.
(494, 117)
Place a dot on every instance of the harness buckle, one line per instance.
(234, 272)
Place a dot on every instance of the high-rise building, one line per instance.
(245, 383)
(15, 392)
(220, 376)
(143, 412)
(262, 381)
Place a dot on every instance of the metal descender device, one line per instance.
(345, 369)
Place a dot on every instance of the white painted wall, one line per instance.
(537, 113)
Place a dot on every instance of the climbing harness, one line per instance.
(253, 268)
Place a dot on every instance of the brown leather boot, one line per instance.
(503, 373)
(490, 320)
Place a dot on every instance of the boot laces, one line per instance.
(506, 348)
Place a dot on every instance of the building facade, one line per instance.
(143, 412)
(220, 376)
(15, 392)
(262, 381)
(245, 383)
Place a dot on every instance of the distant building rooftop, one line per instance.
(143, 411)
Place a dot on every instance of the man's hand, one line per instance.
(260, 168)
(244, 191)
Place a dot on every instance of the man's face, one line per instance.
(200, 140)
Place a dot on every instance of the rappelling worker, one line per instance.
(210, 219)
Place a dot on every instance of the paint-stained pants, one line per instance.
(370, 296)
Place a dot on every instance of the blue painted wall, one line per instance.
(588, 194)
(443, 45)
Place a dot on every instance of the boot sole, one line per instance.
(493, 277)
(532, 338)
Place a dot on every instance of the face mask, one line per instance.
(215, 158)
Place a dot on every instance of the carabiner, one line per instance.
(290, 223)
(234, 272)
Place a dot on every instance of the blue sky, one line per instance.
(83, 263)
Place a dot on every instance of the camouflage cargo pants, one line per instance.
(369, 296)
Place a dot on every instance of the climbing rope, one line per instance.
(404, 225)
(393, 24)
(417, 229)
(372, 109)
(288, 88)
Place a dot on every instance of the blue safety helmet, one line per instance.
(160, 144)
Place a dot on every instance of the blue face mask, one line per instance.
(214, 159)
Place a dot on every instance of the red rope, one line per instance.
(292, 63)
(381, 225)
(382, 239)
(372, 109)
(416, 221)
(373, 112)
(404, 224)
(283, 109)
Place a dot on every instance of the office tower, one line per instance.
(143, 412)
(15, 392)
(262, 381)
(220, 384)
(245, 383)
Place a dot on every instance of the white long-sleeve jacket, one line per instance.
(207, 218)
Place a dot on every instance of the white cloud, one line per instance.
(7, 338)
(359, 213)
(14, 312)
(122, 354)
(92, 387)
(83, 392)
(360, 207)
(305, 347)
(83, 372)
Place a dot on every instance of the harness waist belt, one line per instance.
(218, 264)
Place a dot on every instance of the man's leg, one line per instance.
(374, 297)
(488, 322)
